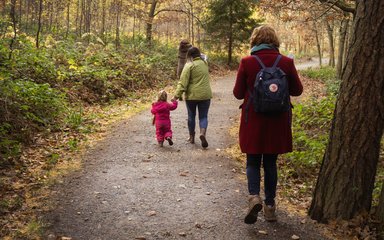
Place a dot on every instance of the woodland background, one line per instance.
(67, 66)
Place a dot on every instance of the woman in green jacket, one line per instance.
(194, 83)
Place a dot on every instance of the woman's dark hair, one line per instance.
(193, 52)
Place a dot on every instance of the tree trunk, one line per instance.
(346, 179)
(317, 43)
(39, 23)
(27, 16)
(118, 12)
(103, 20)
(20, 11)
(380, 213)
(192, 24)
(331, 46)
(68, 12)
(151, 15)
(230, 35)
(342, 42)
(13, 18)
(50, 10)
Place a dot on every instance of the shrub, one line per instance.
(325, 74)
(26, 107)
(311, 124)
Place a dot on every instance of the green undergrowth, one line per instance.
(46, 88)
(310, 128)
(311, 125)
(53, 98)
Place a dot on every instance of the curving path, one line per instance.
(129, 188)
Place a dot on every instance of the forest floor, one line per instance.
(130, 188)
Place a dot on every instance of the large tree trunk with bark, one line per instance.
(342, 42)
(347, 175)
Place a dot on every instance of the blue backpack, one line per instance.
(270, 93)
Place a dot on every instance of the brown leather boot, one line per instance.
(191, 138)
(270, 213)
(255, 206)
(204, 142)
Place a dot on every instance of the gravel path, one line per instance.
(129, 188)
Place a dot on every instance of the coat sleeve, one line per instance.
(240, 87)
(173, 105)
(182, 85)
(295, 85)
(153, 109)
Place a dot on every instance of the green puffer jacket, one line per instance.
(194, 81)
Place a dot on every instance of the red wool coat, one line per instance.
(265, 133)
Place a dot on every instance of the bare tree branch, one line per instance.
(341, 5)
(178, 10)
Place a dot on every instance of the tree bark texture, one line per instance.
(342, 42)
(346, 179)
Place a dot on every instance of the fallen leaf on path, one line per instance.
(184, 174)
(66, 238)
(295, 237)
(151, 213)
(183, 234)
(263, 232)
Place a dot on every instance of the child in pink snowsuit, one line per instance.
(161, 109)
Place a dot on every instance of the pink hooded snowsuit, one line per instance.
(161, 110)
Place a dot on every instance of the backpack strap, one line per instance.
(276, 61)
(259, 61)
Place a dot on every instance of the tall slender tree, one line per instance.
(39, 23)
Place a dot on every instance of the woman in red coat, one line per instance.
(264, 136)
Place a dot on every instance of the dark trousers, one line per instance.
(270, 175)
(202, 106)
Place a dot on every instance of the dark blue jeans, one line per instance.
(203, 107)
(270, 175)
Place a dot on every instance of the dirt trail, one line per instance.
(130, 188)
